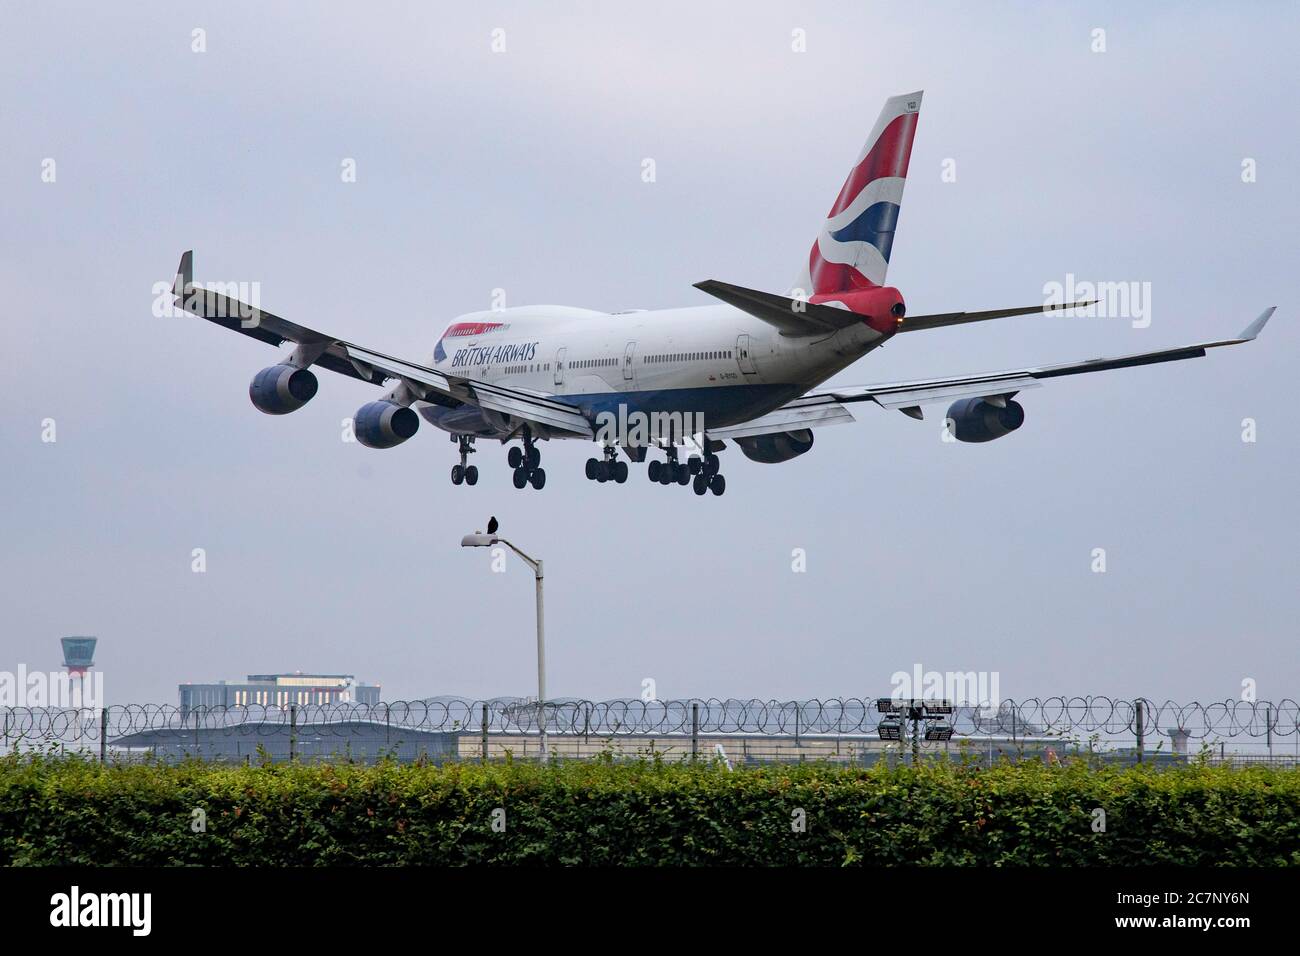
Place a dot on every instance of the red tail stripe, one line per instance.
(889, 157)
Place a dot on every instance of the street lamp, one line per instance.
(480, 540)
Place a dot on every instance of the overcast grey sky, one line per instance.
(522, 171)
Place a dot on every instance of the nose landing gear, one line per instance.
(463, 473)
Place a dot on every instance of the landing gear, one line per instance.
(463, 473)
(608, 468)
(527, 464)
(707, 477)
(674, 472)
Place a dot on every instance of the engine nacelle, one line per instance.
(384, 424)
(974, 419)
(771, 449)
(281, 389)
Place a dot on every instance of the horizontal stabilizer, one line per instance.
(790, 316)
(915, 323)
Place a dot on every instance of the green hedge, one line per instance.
(68, 811)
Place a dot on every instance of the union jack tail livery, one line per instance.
(851, 254)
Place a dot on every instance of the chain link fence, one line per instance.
(743, 731)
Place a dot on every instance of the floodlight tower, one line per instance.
(935, 714)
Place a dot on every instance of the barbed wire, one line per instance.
(1047, 717)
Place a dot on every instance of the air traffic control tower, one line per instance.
(78, 654)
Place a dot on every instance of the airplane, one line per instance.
(744, 370)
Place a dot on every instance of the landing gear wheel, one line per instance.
(471, 475)
(538, 478)
(515, 457)
(593, 469)
(602, 471)
(683, 474)
(620, 471)
(520, 478)
(533, 458)
(700, 485)
(457, 474)
(654, 469)
(693, 463)
(717, 485)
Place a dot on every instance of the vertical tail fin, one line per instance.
(852, 250)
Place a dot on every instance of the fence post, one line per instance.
(1141, 730)
(293, 732)
(1268, 728)
(797, 712)
(483, 726)
(103, 735)
(695, 729)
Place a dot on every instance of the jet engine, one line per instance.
(977, 419)
(771, 449)
(384, 424)
(281, 389)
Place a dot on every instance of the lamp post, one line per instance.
(487, 541)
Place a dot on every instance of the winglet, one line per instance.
(184, 273)
(1257, 326)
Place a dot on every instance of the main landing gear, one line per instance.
(701, 473)
(608, 468)
(707, 476)
(527, 463)
(468, 474)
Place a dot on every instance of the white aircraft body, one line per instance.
(744, 370)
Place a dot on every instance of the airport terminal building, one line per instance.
(279, 690)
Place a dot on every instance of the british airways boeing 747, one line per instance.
(744, 370)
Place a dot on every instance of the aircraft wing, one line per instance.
(357, 361)
(827, 406)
